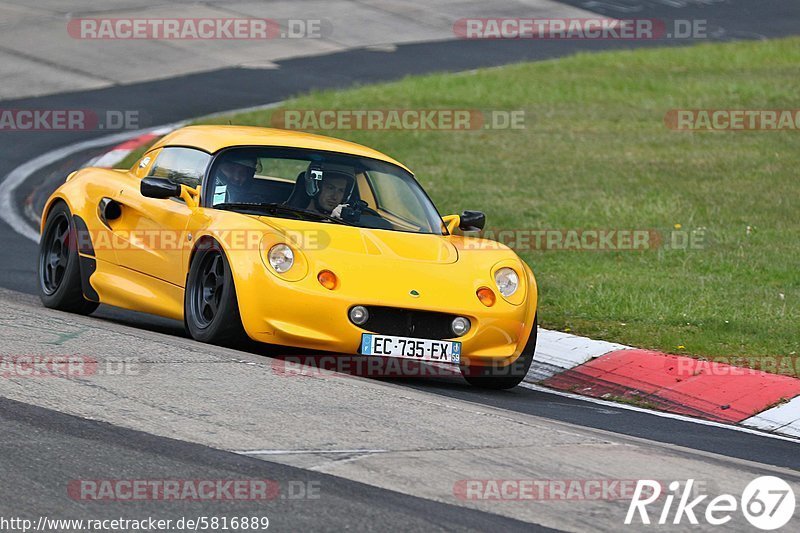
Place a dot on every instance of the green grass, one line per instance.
(595, 153)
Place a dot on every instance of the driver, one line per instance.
(237, 174)
(328, 188)
(332, 192)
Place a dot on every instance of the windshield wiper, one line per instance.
(274, 209)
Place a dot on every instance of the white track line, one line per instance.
(13, 215)
(662, 414)
(303, 452)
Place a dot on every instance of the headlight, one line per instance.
(507, 281)
(281, 258)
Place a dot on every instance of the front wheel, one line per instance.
(59, 269)
(506, 377)
(211, 310)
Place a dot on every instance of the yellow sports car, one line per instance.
(290, 239)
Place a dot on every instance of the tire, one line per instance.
(500, 378)
(58, 265)
(210, 307)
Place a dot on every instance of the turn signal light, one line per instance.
(327, 279)
(486, 296)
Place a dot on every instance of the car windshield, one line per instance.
(322, 187)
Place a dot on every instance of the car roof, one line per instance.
(214, 138)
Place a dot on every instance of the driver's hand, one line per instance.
(337, 211)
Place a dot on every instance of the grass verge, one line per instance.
(595, 154)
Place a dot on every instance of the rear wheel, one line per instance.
(211, 310)
(507, 377)
(59, 265)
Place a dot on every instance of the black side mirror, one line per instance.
(472, 221)
(159, 188)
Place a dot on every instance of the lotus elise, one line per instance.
(290, 239)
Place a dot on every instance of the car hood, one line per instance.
(391, 245)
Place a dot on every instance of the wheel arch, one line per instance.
(207, 240)
(54, 200)
(204, 240)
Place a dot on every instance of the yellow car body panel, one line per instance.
(373, 266)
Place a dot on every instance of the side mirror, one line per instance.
(472, 221)
(161, 188)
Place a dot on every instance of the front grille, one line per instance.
(409, 323)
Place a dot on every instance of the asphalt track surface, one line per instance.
(111, 452)
(39, 446)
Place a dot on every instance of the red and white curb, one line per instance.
(118, 153)
(682, 385)
(783, 419)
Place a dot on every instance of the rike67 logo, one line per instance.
(768, 503)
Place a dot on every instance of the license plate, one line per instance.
(408, 348)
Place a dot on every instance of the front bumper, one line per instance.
(305, 315)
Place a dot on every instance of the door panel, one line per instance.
(150, 236)
(151, 233)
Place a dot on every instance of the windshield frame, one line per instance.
(207, 195)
